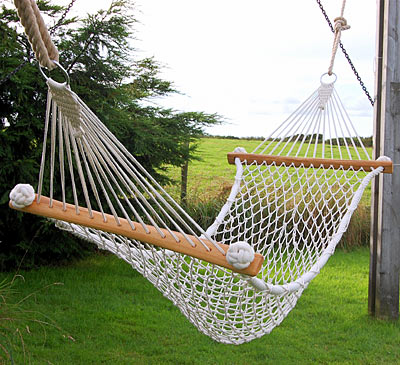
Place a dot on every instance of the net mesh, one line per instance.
(288, 217)
(293, 216)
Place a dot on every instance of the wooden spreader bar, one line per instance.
(97, 222)
(325, 163)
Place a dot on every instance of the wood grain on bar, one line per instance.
(316, 162)
(69, 215)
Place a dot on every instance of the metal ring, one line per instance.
(64, 71)
(328, 83)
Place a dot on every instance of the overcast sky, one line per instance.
(254, 61)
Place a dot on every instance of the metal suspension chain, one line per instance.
(63, 16)
(346, 55)
(51, 31)
(15, 71)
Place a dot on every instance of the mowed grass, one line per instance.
(109, 314)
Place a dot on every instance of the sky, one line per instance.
(253, 62)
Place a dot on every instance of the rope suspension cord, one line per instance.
(340, 25)
(38, 35)
(346, 55)
(29, 56)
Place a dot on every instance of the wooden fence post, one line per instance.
(385, 228)
(184, 178)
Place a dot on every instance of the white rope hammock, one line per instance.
(291, 202)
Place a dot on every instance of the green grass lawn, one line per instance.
(109, 314)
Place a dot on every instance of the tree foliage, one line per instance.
(98, 54)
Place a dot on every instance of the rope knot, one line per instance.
(341, 24)
(240, 255)
(22, 195)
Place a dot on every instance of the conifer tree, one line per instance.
(98, 54)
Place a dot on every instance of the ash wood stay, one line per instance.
(316, 162)
(69, 215)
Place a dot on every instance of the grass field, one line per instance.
(109, 314)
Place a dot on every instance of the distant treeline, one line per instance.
(259, 138)
(366, 141)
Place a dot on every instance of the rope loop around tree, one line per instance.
(37, 32)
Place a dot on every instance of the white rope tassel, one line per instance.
(22, 195)
(240, 255)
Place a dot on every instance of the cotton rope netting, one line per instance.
(293, 216)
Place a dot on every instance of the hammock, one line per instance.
(291, 201)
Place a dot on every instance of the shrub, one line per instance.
(36, 239)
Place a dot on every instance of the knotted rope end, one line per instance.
(22, 195)
(341, 23)
(240, 255)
